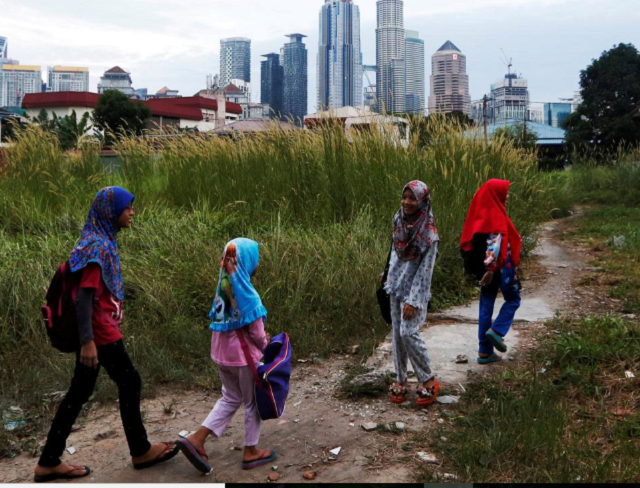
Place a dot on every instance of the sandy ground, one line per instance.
(316, 420)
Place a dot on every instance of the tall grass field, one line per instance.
(319, 203)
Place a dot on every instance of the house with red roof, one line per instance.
(200, 113)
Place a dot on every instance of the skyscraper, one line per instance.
(66, 78)
(415, 93)
(390, 56)
(4, 49)
(271, 83)
(295, 78)
(449, 81)
(235, 60)
(509, 98)
(16, 81)
(339, 55)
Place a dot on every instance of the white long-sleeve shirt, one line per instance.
(410, 281)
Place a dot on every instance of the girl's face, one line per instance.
(409, 203)
(126, 218)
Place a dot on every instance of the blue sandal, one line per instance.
(497, 341)
(494, 358)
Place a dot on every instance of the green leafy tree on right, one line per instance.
(610, 89)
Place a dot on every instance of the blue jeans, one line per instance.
(505, 280)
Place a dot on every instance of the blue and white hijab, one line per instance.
(224, 317)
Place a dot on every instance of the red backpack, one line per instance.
(59, 313)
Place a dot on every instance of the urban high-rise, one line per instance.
(509, 99)
(415, 99)
(16, 81)
(67, 78)
(271, 83)
(555, 114)
(449, 81)
(339, 55)
(4, 49)
(390, 56)
(295, 78)
(116, 79)
(235, 60)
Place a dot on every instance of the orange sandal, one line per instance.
(426, 396)
(398, 393)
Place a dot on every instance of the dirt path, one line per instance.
(316, 421)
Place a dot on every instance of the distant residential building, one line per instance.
(142, 94)
(577, 100)
(415, 100)
(339, 55)
(116, 79)
(60, 103)
(294, 103)
(271, 83)
(556, 113)
(536, 114)
(390, 56)
(68, 78)
(164, 92)
(449, 81)
(18, 80)
(235, 60)
(510, 98)
(238, 92)
(4, 48)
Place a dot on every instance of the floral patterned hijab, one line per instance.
(413, 235)
(99, 238)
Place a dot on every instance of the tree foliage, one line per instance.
(116, 113)
(68, 129)
(610, 89)
(522, 138)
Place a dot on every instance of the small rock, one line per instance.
(273, 477)
(71, 450)
(448, 413)
(354, 350)
(629, 374)
(543, 370)
(448, 400)
(441, 421)
(427, 457)
(309, 475)
(444, 439)
(462, 359)
(369, 426)
(400, 426)
(297, 404)
(449, 476)
(336, 451)
(107, 434)
(352, 424)
(630, 316)
(296, 421)
(274, 468)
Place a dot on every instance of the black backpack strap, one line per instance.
(386, 267)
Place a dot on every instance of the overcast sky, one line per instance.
(177, 42)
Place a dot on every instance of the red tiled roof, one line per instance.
(60, 99)
(187, 107)
(116, 69)
(232, 88)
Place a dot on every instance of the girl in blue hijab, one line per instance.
(237, 321)
(98, 296)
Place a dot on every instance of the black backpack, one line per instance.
(474, 259)
(59, 313)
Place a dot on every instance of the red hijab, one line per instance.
(488, 215)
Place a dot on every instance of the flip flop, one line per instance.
(198, 458)
(425, 402)
(497, 341)
(159, 459)
(259, 462)
(494, 358)
(61, 476)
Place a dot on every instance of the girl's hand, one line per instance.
(89, 355)
(409, 312)
(268, 337)
(381, 277)
(487, 278)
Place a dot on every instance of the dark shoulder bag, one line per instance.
(384, 300)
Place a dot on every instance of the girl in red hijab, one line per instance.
(491, 246)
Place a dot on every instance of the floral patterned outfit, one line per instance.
(415, 247)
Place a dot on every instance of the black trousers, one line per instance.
(115, 360)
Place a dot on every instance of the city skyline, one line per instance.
(160, 42)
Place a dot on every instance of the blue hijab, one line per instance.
(224, 316)
(99, 238)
